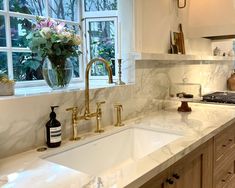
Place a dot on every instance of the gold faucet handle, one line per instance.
(118, 106)
(74, 122)
(98, 104)
(73, 109)
(74, 113)
(119, 115)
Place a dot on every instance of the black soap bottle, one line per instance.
(53, 130)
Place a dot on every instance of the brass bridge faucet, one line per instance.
(87, 114)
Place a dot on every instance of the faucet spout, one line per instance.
(87, 113)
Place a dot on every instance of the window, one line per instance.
(18, 16)
(101, 38)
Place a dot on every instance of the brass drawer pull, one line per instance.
(170, 181)
(229, 174)
(176, 176)
(229, 141)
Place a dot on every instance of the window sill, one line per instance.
(46, 90)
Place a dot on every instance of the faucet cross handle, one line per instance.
(98, 104)
(98, 117)
(72, 109)
(119, 108)
(74, 122)
(74, 113)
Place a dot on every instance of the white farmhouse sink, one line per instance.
(113, 150)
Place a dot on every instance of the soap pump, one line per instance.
(53, 130)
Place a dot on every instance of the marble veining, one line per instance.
(23, 118)
(197, 127)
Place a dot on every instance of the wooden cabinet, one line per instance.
(194, 171)
(211, 165)
(224, 159)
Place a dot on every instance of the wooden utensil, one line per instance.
(181, 41)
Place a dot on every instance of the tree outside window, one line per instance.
(24, 66)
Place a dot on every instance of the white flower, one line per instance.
(46, 32)
(65, 35)
(76, 40)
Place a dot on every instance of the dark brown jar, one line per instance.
(231, 82)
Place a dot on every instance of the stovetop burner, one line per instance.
(221, 97)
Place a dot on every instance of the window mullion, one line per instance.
(81, 33)
(95, 14)
(8, 41)
(15, 49)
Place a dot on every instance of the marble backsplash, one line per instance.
(23, 119)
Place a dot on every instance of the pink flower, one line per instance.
(45, 23)
(59, 28)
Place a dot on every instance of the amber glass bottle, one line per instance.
(231, 82)
(53, 130)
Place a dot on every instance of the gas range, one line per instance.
(220, 97)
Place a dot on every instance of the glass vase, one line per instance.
(57, 72)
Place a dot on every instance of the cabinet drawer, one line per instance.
(224, 173)
(226, 178)
(223, 143)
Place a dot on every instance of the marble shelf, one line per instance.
(177, 57)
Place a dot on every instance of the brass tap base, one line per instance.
(99, 131)
(75, 139)
(119, 125)
(120, 83)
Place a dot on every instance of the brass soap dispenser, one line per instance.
(231, 82)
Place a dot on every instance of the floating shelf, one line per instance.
(177, 57)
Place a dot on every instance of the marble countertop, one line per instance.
(205, 121)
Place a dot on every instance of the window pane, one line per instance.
(26, 67)
(64, 9)
(35, 7)
(2, 31)
(74, 28)
(102, 44)
(3, 63)
(100, 5)
(75, 61)
(20, 27)
(1, 5)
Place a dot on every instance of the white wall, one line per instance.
(154, 19)
(211, 18)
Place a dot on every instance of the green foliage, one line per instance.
(52, 39)
(27, 66)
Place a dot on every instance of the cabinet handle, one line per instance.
(170, 181)
(229, 141)
(227, 177)
(176, 176)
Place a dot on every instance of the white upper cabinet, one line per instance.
(208, 18)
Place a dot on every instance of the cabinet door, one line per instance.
(159, 181)
(194, 170)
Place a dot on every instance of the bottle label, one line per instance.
(55, 134)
